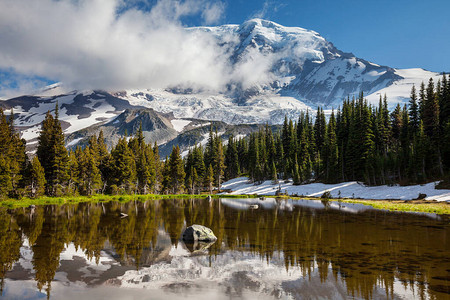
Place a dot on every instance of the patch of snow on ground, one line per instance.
(352, 189)
(179, 124)
(31, 133)
(74, 142)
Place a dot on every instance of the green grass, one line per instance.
(392, 205)
(441, 208)
(25, 202)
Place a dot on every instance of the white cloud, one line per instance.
(213, 12)
(115, 44)
(12, 85)
(262, 13)
(86, 44)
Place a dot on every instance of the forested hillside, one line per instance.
(410, 144)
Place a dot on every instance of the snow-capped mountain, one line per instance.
(273, 71)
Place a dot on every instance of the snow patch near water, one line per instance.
(352, 189)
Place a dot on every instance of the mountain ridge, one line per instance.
(274, 71)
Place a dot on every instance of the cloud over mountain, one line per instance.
(112, 44)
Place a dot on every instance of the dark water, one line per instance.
(276, 249)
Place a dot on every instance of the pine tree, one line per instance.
(124, 167)
(396, 118)
(331, 155)
(53, 155)
(367, 142)
(189, 183)
(219, 162)
(422, 152)
(304, 157)
(5, 178)
(444, 103)
(431, 112)
(89, 174)
(209, 178)
(296, 174)
(158, 169)
(231, 160)
(176, 171)
(195, 180)
(413, 112)
(253, 156)
(446, 147)
(74, 180)
(104, 161)
(36, 179)
(274, 176)
(422, 100)
(5, 156)
(320, 129)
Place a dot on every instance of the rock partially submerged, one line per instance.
(198, 248)
(198, 233)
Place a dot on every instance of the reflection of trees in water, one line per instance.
(10, 242)
(49, 245)
(365, 250)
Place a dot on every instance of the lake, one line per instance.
(266, 249)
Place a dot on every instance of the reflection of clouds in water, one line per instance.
(237, 274)
(232, 274)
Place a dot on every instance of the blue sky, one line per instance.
(101, 43)
(397, 33)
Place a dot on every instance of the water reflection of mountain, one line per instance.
(367, 250)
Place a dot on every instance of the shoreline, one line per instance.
(423, 206)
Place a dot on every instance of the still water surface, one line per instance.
(266, 249)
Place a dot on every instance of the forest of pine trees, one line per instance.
(408, 145)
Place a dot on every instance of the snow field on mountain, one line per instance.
(400, 90)
(352, 189)
(179, 124)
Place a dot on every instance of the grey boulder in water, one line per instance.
(198, 233)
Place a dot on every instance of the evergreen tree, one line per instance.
(305, 159)
(331, 155)
(89, 174)
(104, 161)
(158, 169)
(413, 111)
(431, 112)
(444, 103)
(73, 181)
(53, 155)
(320, 129)
(297, 179)
(124, 167)
(231, 159)
(253, 156)
(195, 180)
(422, 100)
(274, 176)
(209, 178)
(176, 171)
(219, 162)
(5, 178)
(5, 154)
(446, 147)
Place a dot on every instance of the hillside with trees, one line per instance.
(408, 145)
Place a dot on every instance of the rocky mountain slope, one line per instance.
(273, 71)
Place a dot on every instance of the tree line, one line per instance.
(410, 144)
(359, 141)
